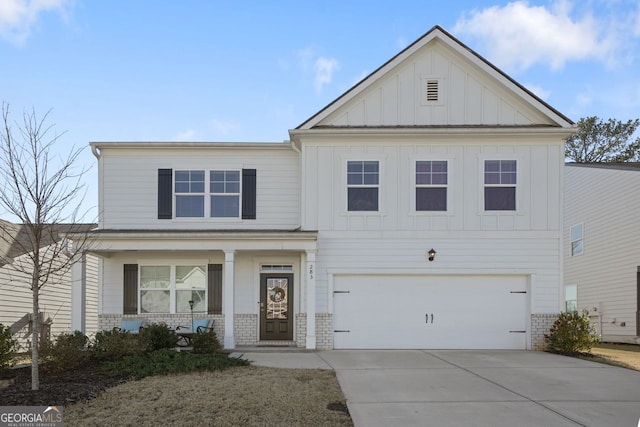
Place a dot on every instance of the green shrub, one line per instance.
(8, 346)
(114, 345)
(66, 352)
(164, 362)
(571, 334)
(158, 336)
(205, 342)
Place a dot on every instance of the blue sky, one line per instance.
(198, 70)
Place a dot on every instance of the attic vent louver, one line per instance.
(432, 90)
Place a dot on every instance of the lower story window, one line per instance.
(168, 289)
(571, 298)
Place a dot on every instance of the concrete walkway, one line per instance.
(473, 388)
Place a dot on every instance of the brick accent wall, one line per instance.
(540, 325)
(110, 321)
(324, 331)
(245, 327)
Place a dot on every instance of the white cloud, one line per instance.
(324, 69)
(539, 91)
(223, 127)
(518, 36)
(187, 135)
(17, 17)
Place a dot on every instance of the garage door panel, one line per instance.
(430, 312)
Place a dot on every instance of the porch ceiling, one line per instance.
(105, 242)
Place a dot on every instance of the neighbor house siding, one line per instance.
(55, 300)
(606, 202)
(129, 186)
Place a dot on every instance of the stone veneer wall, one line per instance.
(540, 325)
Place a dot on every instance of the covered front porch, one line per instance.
(258, 286)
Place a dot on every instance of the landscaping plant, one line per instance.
(157, 336)
(205, 342)
(571, 334)
(66, 352)
(8, 347)
(115, 344)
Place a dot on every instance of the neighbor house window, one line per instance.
(363, 181)
(168, 289)
(431, 185)
(189, 192)
(500, 185)
(570, 298)
(576, 240)
(225, 193)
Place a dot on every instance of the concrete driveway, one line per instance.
(474, 388)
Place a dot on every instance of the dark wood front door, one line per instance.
(276, 307)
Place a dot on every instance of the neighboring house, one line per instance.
(602, 253)
(324, 241)
(68, 302)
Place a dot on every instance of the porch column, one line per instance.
(78, 295)
(311, 299)
(227, 300)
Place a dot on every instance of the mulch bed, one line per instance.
(56, 389)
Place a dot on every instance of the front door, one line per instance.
(276, 307)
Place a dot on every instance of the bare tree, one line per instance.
(44, 191)
(599, 141)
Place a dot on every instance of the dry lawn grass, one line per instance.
(239, 396)
(627, 356)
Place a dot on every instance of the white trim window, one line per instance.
(576, 233)
(189, 193)
(500, 178)
(570, 298)
(431, 185)
(169, 288)
(224, 186)
(363, 185)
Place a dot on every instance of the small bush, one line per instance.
(158, 336)
(8, 346)
(164, 362)
(205, 342)
(68, 351)
(571, 334)
(114, 345)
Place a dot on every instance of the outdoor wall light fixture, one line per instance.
(432, 254)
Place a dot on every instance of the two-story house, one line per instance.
(420, 209)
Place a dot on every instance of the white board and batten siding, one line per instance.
(606, 201)
(129, 183)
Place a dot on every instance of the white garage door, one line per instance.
(430, 312)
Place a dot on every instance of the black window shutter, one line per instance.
(165, 196)
(214, 290)
(130, 303)
(248, 194)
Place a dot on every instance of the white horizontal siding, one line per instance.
(129, 186)
(606, 202)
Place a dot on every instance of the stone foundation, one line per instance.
(245, 327)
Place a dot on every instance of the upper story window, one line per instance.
(576, 232)
(168, 289)
(189, 192)
(431, 185)
(230, 193)
(225, 193)
(363, 181)
(500, 185)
